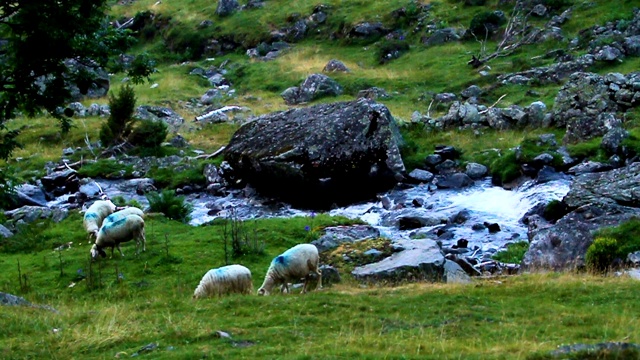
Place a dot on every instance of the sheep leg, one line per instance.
(120, 250)
(319, 277)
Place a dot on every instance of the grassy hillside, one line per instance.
(116, 306)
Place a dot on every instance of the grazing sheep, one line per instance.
(95, 215)
(225, 280)
(293, 264)
(132, 210)
(123, 230)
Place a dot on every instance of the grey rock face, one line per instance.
(564, 245)
(320, 154)
(419, 260)
(619, 186)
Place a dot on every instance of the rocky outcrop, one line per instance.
(598, 200)
(323, 154)
(416, 260)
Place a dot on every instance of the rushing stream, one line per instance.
(483, 203)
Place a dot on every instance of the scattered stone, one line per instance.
(335, 66)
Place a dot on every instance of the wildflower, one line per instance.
(121, 276)
(307, 228)
(80, 272)
(312, 215)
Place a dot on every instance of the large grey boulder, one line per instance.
(418, 260)
(323, 154)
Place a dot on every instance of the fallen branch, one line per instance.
(212, 155)
(215, 112)
(117, 149)
(74, 165)
(494, 104)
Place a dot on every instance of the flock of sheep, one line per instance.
(110, 225)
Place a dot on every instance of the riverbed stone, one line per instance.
(419, 260)
(4, 232)
(334, 236)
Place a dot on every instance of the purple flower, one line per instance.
(312, 215)
(80, 272)
(307, 228)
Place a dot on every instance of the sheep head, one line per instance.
(97, 251)
(263, 292)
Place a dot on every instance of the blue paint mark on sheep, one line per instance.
(90, 215)
(280, 260)
(114, 225)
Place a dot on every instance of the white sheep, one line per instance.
(123, 230)
(95, 215)
(225, 280)
(294, 264)
(131, 210)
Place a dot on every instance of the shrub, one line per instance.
(505, 168)
(601, 254)
(172, 206)
(627, 234)
(486, 23)
(149, 134)
(120, 123)
(513, 254)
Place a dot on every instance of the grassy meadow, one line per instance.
(114, 307)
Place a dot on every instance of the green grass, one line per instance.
(150, 301)
(513, 254)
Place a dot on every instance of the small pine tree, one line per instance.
(120, 123)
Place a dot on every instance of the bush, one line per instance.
(601, 254)
(149, 134)
(485, 24)
(120, 123)
(172, 206)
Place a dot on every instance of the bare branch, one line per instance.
(494, 104)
